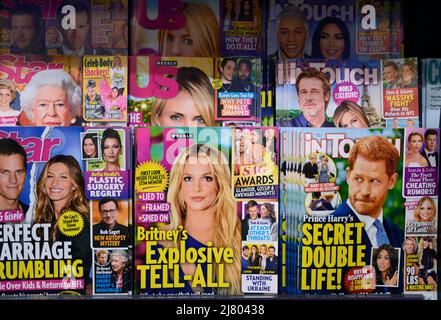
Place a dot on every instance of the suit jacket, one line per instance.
(395, 235)
(396, 238)
(424, 154)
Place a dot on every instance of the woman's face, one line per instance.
(58, 183)
(5, 97)
(415, 143)
(425, 244)
(181, 111)
(263, 250)
(332, 42)
(253, 250)
(264, 211)
(89, 148)
(112, 150)
(228, 71)
(350, 120)
(426, 210)
(51, 107)
(407, 73)
(117, 263)
(409, 246)
(383, 261)
(114, 93)
(179, 43)
(269, 134)
(198, 186)
(52, 35)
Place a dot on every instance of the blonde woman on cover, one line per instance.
(201, 201)
(192, 106)
(425, 211)
(350, 115)
(200, 36)
(414, 147)
(8, 93)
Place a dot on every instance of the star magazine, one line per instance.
(49, 221)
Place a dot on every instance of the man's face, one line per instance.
(271, 252)
(109, 213)
(102, 259)
(368, 184)
(389, 74)
(431, 142)
(12, 176)
(312, 97)
(291, 35)
(244, 71)
(91, 91)
(23, 30)
(253, 212)
(246, 252)
(75, 39)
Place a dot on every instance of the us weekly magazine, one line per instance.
(61, 189)
(358, 211)
(206, 206)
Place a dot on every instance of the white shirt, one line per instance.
(368, 221)
(69, 52)
(432, 160)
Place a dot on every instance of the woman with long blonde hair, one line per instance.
(350, 115)
(201, 202)
(200, 36)
(192, 106)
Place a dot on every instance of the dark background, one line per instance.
(422, 28)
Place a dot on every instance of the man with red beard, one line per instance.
(371, 173)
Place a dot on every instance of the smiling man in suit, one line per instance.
(429, 152)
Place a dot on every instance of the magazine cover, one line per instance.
(400, 92)
(318, 93)
(430, 92)
(40, 90)
(311, 29)
(176, 28)
(171, 91)
(107, 155)
(44, 213)
(343, 209)
(421, 190)
(255, 184)
(188, 232)
(241, 28)
(47, 27)
(237, 88)
(105, 88)
(376, 31)
(110, 26)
